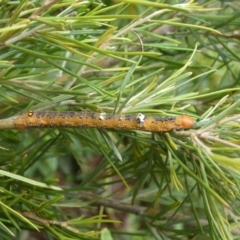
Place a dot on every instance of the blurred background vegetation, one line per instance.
(160, 57)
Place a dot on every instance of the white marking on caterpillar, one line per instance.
(121, 118)
(102, 116)
(30, 113)
(140, 118)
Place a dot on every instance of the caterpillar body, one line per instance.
(69, 119)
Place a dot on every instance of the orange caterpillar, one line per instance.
(71, 119)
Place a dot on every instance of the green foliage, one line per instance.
(156, 57)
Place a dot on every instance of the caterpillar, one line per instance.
(69, 119)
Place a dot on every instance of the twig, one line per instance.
(138, 22)
(7, 123)
(46, 5)
(202, 145)
(47, 222)
(118, 205)
(230, 119)
(216, 139)
(107, 61)
(23, 35)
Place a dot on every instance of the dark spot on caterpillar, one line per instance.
(128, 117)
(51, 115)
(62, 115)
(93, 115)
(71, 114)
(90, 115)
(158, 119)
(170, 119)
(108, 116)
(38, 114)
